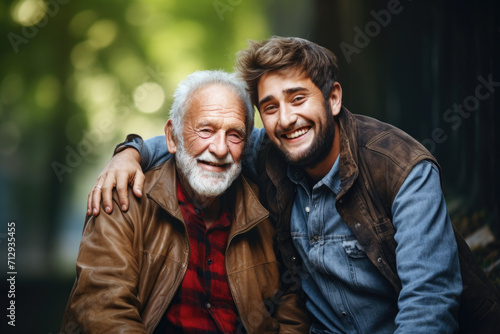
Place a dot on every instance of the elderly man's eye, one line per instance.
(205, 133)
(235, 138)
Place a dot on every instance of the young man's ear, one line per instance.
(335, 99)
(169, 136)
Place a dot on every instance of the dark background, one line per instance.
(72, 85)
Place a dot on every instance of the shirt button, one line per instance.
(210, 261)
(344, 314)
(208, 305)
(307, 209)
(379, 260)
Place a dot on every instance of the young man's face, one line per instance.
(296, 116)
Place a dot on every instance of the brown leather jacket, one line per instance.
(131, 264)
(375, 159)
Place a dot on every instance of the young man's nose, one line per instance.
(286, 117)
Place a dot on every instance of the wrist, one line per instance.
(129, 151)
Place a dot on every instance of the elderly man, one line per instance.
(196, 255)
(357, 203)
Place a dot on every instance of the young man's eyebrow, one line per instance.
(287, 91)
(292, 90)
(265, 99)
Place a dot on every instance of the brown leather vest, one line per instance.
(375, 159)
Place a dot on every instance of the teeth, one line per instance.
(213, 163)
(296, 133)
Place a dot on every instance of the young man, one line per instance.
(197, 254)
(357, 203)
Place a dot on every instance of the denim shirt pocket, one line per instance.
(363, 275)
(353, 249)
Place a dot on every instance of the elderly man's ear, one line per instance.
(169, 136)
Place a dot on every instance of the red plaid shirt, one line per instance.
(203, 303)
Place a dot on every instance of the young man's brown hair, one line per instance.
(287, 53)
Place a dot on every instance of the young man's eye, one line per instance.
(270, 108)
(298, 98)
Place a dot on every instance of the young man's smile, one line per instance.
(294, 113)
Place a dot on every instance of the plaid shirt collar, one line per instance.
(203, 302)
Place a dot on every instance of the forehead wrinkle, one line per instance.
(230, 100)
(219, 122)
(219, 108)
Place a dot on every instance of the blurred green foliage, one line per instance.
(76, 76)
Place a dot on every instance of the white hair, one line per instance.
(186, 89)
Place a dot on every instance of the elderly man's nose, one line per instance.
(218, 146)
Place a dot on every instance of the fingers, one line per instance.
(103, 190)
(107, 193)
(89, 204)
(138, 183)
(94, 200)
(122, 190)
(123, 169)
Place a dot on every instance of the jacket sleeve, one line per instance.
(104, 296)
(153, 150)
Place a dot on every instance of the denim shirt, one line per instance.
(345, 291)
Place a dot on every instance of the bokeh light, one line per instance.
(149, 97)
(102, 33)
(29, 12)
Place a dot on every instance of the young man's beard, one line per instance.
(321, 145)
(205, 183)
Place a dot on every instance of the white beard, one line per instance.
(206, 183)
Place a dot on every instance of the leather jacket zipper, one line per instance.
(178, 282)
(231, 288)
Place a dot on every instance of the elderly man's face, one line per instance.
(214, 139)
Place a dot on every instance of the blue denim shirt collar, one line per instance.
(331, 180)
